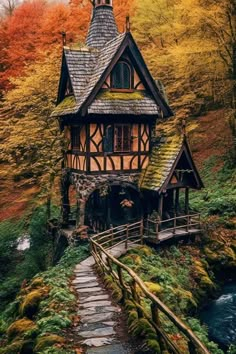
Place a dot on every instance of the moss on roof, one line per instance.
(68, 103)
(108, 95)
(161, 162)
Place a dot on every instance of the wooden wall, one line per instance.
(90, 156)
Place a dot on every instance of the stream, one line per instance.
(220, 317)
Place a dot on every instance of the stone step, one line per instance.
(96, 304)
(97, 342)
(98, 310)
(83, 280)
(99, 332)
(91, 284)
(88, 288)
(109, 349)
(83, 300)
(97, 317)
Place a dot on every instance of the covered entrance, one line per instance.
(115, 205)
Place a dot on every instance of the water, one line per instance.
(220, 317)
(23, 243)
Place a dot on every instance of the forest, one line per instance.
(190, 45)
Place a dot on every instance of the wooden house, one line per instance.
(108, 107)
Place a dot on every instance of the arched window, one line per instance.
(121, 76)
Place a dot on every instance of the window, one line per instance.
(75, 138)
(122, 138)
(121, 76)
(108, 139)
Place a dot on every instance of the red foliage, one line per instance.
(35, 27)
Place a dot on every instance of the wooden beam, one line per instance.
(160, 206)
(186, 201)
(176, 200)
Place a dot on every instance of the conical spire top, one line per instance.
(103, 26)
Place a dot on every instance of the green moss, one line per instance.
(155, 288)
(107, 95)
(154, 345)
(20, 327)
(67, 103)
(18, 346)
(47, 341)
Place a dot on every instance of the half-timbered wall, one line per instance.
(91, 154)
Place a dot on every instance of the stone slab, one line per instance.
(97, 317)
(97, 310)
(82, 280)
(88, 285)
(88, 289)
(96, 304)
(109, 349)
(99, 332)
(97, 342)
(93, 298)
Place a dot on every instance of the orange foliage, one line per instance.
(35, 27)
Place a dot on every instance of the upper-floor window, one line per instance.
(121, 76)
(75, 138)
(117, 138)
(122, 138)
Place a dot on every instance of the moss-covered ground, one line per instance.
(39, 318)
(184, 277)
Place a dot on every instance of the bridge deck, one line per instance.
(167, 235)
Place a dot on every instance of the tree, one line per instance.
(32, 143)
(8, 6)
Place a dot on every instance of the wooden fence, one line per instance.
(135, 290)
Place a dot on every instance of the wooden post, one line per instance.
(156, 320)
(124, 292)
(160, 208)
(127, 237)
(136, 298)
(187, 201)
(141, 232)
(157, 230)
(176, 201)
(174, 228)
(112, 235)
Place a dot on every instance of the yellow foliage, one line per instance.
(31, 301)
(36, 282)
(19, 327)
(47, 341)
(145, 249)
(154, 345)
(155, 288)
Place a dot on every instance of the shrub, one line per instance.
(19, 327)
(31, 301)
(47, 341)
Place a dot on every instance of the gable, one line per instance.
(127, 47)
(171, 165)
(137, 83)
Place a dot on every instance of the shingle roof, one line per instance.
(136, 103)
(161, 162)
(103, 27)
(85, 69)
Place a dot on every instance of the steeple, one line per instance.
(103, 26)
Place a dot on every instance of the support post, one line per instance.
(124, 291)
(141, 232)
(187, 201)
(160, 207)
(127, 237)
(176, 201)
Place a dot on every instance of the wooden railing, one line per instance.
(177, 226)
(134, 289)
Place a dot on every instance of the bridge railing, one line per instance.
(135, 290)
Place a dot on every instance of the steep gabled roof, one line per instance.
(164, 159)
(89, 69)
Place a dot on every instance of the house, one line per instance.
(108, 107)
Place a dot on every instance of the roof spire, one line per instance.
(103, 26)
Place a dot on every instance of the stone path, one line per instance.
(100, 327)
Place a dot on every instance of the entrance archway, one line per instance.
(113, 206)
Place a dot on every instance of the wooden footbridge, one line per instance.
(134, 289)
